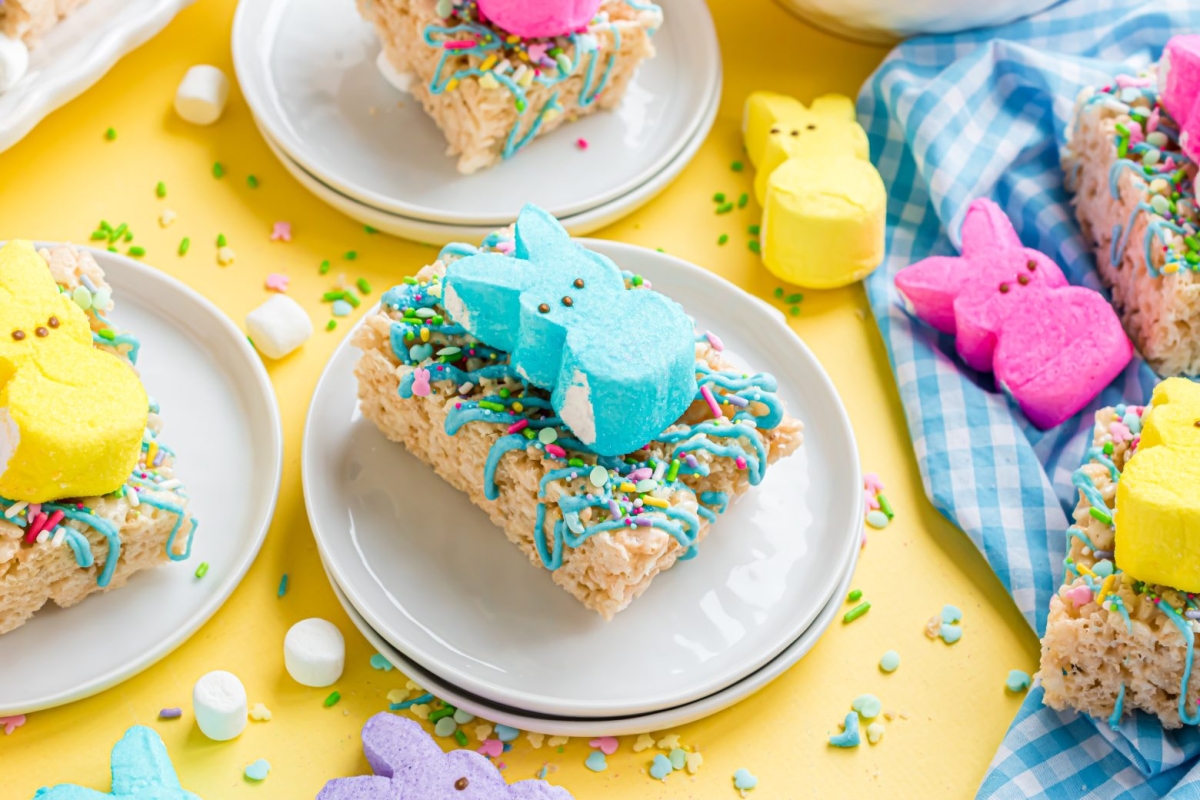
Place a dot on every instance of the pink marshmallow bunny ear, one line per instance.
(987, 229)
(929, 288)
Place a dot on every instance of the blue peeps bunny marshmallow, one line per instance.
(619, 363)
(141, 770)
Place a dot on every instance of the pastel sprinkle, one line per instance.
(608, 744)
(951, 614)
(694, 762)
(260, 713)
(283, 581)
(1017, 681)
(258, 770)
(341, 308)
(890, 661)
(582, 144)
(506, 733)
(596, 761)
(875, 732)
(849, 737)
(877, 519)
(644, 742)
(950, 633)
(446, 726)
(867, 705)
(462, 717)
(743, 780)
(491, 747)
(281, 232)
(856, 612)
(202, 570)
(379, 662)
(661, 767)
(332, 699)
(11, 723)
(678, 758)
(277, 282)
(170, 713)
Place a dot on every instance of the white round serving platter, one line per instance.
(443, 233)
(307, 70)
(430, 572)
(620, 726)
(220, 416)
(77, 53)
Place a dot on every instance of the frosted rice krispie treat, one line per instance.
(1135, 198)
(495, 74)
(88, 495)
(29, 20)
(1122, 628)
(565, 398)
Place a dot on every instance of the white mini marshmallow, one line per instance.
(400, 81)
(219, 703)
(278, 326)
(314, 652)
(200, 98)
(14, 62)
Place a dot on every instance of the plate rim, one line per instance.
(577, 706)
(231, 578)
(248, 64)
(441, 233)
(40, 100)
(610, 726)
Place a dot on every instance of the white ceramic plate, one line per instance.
(621, 726)
(220, 415)
(76, 54)
(307, 69)
(438, 580)
(442, 233)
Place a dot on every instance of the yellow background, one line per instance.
(65, 176)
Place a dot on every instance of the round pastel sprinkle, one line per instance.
(678, 758)
(743, 780)
(596, 761)
(661, 767)
(877, 519)
(598, 476)
(341, 308)
(646, 485)
(258, 770)
(867, 705)
(446, 726)
(951, 614)
(506, 733)
(950, 633)
(82, 297)
(875, 732)
(547, 436)
(463, 717)
(379, 662)
(1017, 681)
(890, 661)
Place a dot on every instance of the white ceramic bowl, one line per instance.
(886, 21)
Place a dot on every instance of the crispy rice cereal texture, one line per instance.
(611, 568)
(477, 120)
(1089, 652)
(1160, 312)
(32, 574)
(29, 20)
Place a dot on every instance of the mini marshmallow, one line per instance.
(400, 81)
(200, 98)
(14, 61)
(219, 703)
(278, 326)
(314, 652)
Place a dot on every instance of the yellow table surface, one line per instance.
(65, 176)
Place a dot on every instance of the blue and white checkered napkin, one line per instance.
(983, 113)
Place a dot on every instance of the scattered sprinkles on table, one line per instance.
(1017, 681)
(170, 713)
(11, 723)
(878, 509)
(281, 232)
(890, 661)
(947, 625)
(257, 771)
(277, 282)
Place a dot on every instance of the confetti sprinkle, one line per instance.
(582, 144)
(596, 761)
(379, 662)
(12, 723)
(202, 570)
(677, 757)
(737, 166)
(607, 744)
(743, 780)
(282, 586)
(491, 748)
(218, 171)
(877, 519)
(506, 733)
(849, 737)
(723, 238)
(890, 661)
(332, 699)
(281, 232)
(668, 742)
(225, 256)
(258, 770)
(170, 713)
(277, 283)
(370, 230)
(868, 706)
(111, 134)
(324, 268)
(644, 742)
(165, 219)
(350, 255)
(535, 740)
(252, 181)
(184, 244)
(694, 762)
(260, 713)
(161, 189)
(854, 596)
(341, 308)
(661, 767)
(363, 286)
(1017, 681)
(331, 324)
(856, 612)
(875, 732)
(137, 252)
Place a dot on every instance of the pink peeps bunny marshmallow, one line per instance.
(536, 19)
(1052, 346)
(420, 386)
(1179, 89)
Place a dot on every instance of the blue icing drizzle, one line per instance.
(1114, 721)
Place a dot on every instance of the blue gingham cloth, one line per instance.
(984, 113)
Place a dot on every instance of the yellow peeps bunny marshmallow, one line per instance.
(1157, 518)
(71, 416)
(823, 202)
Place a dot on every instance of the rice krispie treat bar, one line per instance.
(603, 525)
(1135, 198)
(64, 549)
(492, 90)
(1115, 643)
(29, 20)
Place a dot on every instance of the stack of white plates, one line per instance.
(307, 70)
(440, 591)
